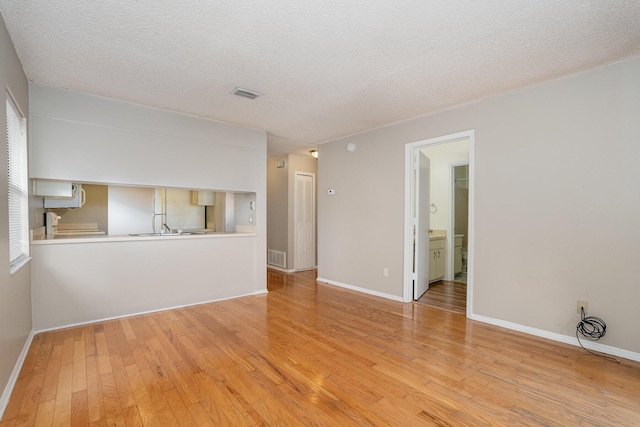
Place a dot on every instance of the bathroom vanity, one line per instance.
(437, 257)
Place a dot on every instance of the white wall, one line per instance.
(86, 138)
(86, 282)
(244, 215)
(556, 203)
(278, 208)
(281, 184)
(15, 290)
(297, 163)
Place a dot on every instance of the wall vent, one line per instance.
(247, 93)
(277, 258)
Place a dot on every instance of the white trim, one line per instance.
(359, 289)
(281, 270)
(615, 351)
(105, 319)
(289, 271)
(471, 235)
(6, 394)
(407, 292)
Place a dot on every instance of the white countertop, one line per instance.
(68, 239)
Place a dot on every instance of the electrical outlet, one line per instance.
(581, 305)
(385, 272)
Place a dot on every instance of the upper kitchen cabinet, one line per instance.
(52, 188)
(203, 198)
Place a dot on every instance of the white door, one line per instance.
(422, 170)
(304, 221)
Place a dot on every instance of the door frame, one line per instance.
(407, 292)
(452, 219)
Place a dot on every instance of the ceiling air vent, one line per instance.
(245, 92)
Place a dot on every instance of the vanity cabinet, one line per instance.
(457, 255)
(437, 257)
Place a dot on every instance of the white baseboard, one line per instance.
(567, 339)
(6, 394)
(359, 289)
(281, 270)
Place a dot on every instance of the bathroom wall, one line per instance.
(441, 157)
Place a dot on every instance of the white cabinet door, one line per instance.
(433, 268)
(437, 259)
(440, 264)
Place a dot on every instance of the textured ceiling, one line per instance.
(325, 69)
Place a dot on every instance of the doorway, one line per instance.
(439, 224)
(459, 186)
(304, 243)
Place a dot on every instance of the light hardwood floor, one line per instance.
(446, 295)
(313, 354)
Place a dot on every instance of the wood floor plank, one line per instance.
(180, 410)
(31, 399)
(103, 354)
(132, 417)
(62, 411)
(79, 408)
(203, 418)
(147, 412)
(157, 398)
(308, 353)
(446, 295)
(50, 385)
(79, 367)
(95, 398)
(113, 411)
(123, 386)
(44, 415)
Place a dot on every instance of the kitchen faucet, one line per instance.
(167, 227)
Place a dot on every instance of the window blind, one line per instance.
(18, 191)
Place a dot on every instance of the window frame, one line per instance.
(17, 186)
